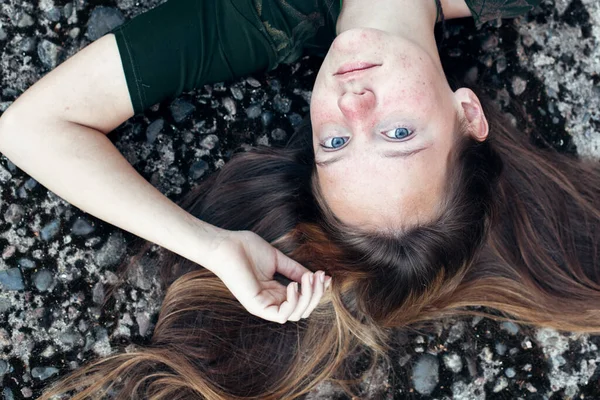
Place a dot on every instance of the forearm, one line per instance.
(454, 9)
(83, 167)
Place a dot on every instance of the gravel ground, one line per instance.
(57, 262)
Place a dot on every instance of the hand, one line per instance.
(246, 263)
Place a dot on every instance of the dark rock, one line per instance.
(82, 227)
(98, 293)
(253, 111)
(25, 20)
(3, 367)
(154, 129)
(30, 184)
(43, 373)
(181, 109)
(253, 82)
(198, 169)
(279, 134)
(237, 93)
(43, 280)
(510, 372)
(67, 10)
(295, 119)
(103, 20)
(4, 306)
(209, 142)
(50, 54)
(230, 105)
(266, 118)
(11, 279)
(53, 14)
(282, 104)
(28, 45)
(519, 85)
(275, 85)
(7, 394)
(112, 251)
(14, 214)
(50, 230)
(26, 263)
(425, 375)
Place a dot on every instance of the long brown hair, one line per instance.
(519, 235)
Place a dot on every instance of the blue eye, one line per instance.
(399, 133)
(336, 142)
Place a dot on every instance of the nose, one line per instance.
(356, 104)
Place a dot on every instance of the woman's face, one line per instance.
(383, 119)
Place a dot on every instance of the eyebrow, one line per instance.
(386, 154)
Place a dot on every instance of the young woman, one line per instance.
(446, 207)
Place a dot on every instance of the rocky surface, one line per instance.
(58, 262)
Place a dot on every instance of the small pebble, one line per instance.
(282, 104)
(279, 134)
(43, 280)
(25, 21)
(103, 20)
(453, 362)
(53, 14)
(50, 230)
(3, 367)
(230, 106)
(43, 373)
(14, 213)
(295, 119)
(266, 118)
(82, 227)
(519, 85)
(7, 394)
(425, 374)
(50, 54)
(253, 111)
(11, 279)
(510, 372)
(237, 93)
(112, 251)
(253, 82)
(154, 129)
(509, 327)
(26, 263)
(198, 169)
(181, 109)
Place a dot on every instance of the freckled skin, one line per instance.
(406, 90)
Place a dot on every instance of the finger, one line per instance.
(318, 290)
(305, 296)
(280, 313)
(289, 268)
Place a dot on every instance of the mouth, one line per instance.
(355, 67)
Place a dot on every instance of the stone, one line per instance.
(253, 111)
(154, 129)
(43, 373)
(28, 45)
(14, 214)
(5, 176)
(510, 372)
(295, 119)
(266, 118)
(25, 20)
(230, 106)
(282, 104)
(509, 327)
(181, 109)
(98, 293)
(7, 394)
(53, 14)
(279, 134)
(43, 280)
(82, 227)
(4, 366)
(209, 142)
(198, 169)
(50, 230)
(237, 93)
(11, 279)
(103, 20)
(50, 54)
(453, 362)
(26, 263)
(112, 252)
(425, 374)
(519, 85)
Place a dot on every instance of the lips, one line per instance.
(355, 67)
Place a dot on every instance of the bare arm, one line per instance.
(65, 148)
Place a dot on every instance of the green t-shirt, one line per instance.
(183, 44)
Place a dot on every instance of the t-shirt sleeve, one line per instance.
(183, 44)
(488, 10)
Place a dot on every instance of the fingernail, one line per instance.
(327, 282)
(311, 278)
(322, 277)
(296, 287)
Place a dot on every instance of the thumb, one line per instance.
(289, 268)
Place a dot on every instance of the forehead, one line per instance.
(374, 192)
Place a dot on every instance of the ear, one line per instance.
(471, 110)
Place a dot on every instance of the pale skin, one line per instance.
(396, 100)
(86, 97)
